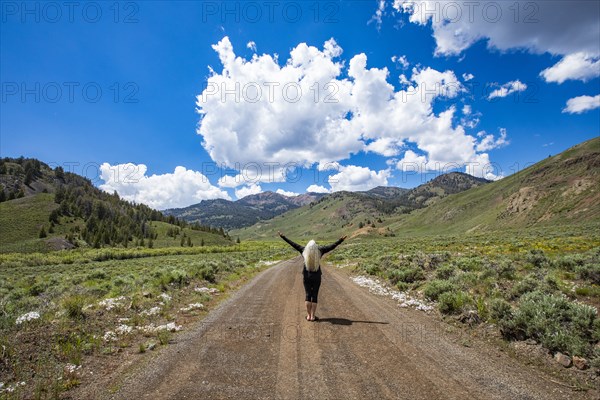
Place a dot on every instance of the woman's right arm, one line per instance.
(291, 243)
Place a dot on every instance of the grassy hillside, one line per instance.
(197, 238)
(560, 190)
(43, 209)
(328, 218)
(21, 220)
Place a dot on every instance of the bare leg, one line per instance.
(313, 309)
(308, 309)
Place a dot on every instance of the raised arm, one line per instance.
(291, 243)
(329, 247)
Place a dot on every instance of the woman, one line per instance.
(311, 272)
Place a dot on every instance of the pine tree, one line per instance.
(181, 243)
(43, 233)
(238, 240)
(202, 242)
(150, 243)
(59, 172)
(2, 194)
(189, 241)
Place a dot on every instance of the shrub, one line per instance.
(454, 302)
(208, 273)
(506, 269)
(499, 309)
(180, 278)
(407, 275)
(468, 264)
(529, 284)
(570, 262)
(444, 272)
(435, 288)
(554, 321)
(537, 258)
(589, 272)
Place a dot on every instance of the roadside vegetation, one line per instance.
(65, 315)
(530, 285)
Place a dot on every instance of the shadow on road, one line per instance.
(345, 321)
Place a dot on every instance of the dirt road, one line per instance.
(257, 345)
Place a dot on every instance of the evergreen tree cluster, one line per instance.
(16, 172)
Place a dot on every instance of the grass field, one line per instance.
(57, 316)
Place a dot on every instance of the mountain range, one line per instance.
(562, 190)
(264, 206)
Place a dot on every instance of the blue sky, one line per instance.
(98, 86)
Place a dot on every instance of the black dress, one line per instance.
(312, 279)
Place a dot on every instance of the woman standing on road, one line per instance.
(311, 272)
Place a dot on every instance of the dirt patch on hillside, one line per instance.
(523, 201)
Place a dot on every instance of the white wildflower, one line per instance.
(110, 336)
(11, 388)
(165, 296)
(193, 306)
(30, 316)
(171, 326)
(72, 368)
(123, 329)
(207, 290)
(152, 311)
(109, 304)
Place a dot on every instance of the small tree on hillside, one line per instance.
(43, 233)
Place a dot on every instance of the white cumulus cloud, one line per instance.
(354, 178)
(489, 142)
(578, 66)
(181, 188)
(362, 112)
(317, 189)
(254, 173)
(286, 193)
(581, 104)
(247, 191)
(557, 27)
(402, 61)
(508, 88)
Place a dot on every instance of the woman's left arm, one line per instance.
(329, 247)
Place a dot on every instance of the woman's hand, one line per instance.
(280, 234)
(344, 237)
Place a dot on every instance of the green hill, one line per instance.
(44, 209)
(560, 190)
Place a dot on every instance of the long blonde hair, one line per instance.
(312, 256)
